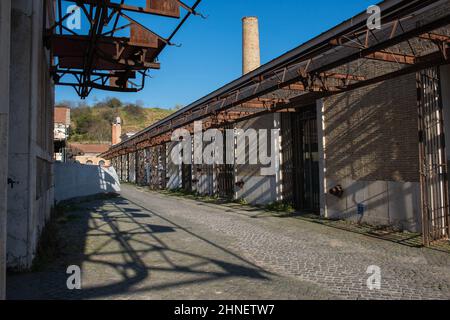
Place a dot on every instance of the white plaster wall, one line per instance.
(206, 181)
(27, 213)
(73, 180)
(259, 189)
(385, 203)
(18, 198)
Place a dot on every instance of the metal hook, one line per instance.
(201, 15)
(177, 45)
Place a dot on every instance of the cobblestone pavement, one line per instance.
(147, 245)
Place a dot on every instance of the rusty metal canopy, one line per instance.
(112, 53)
(415, 34)
(95, 58)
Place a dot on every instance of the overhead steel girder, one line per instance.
(81, 57)
(166, 8)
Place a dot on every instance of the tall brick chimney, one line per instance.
(251, 57)
(117, 131)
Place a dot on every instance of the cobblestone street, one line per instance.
(147, 245)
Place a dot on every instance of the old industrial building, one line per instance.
(363, 114)
(88, 153)
(26, 147)
(38, 50)
(61, 132)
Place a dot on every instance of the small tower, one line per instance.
(117, 131)
(251, 57)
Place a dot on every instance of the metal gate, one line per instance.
(287, 163)
(225, 172)
(158, 176)
(225, 177)
(141, 174)
(300, 150)
(433, 158)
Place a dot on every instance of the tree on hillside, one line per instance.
(134, 111)
(111, 103)
(82, 120)
(92, 124)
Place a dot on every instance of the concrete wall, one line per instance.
(204, 179)
(31, 136)
(5, 28)
(371, 149)
(73, 180)
(258, 189)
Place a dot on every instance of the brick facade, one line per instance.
(371, 134)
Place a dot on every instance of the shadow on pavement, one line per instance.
(121, 224)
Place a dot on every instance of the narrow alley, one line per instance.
(145, 245)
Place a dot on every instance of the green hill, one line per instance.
(92, 124)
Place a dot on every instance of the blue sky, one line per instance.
(211, 55)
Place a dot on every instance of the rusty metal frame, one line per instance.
(121, 71)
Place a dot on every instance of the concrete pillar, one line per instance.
(31, 135)
(322, 158)
(5, 29)
(251, 58)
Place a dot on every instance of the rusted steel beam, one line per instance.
(391, 57)
(435, 37)
(165, 8)
(343, 76)
(434, 59)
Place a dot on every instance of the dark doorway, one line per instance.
(225, 172)
(300, 150)
(186, 173)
